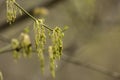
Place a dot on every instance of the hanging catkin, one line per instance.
(16, 48)
(12, 10)
(55, 50)
(57, 42)
(40, 40)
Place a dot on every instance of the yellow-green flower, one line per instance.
(57, 42)
(52, 61)
(55, 51)
(12, 10)
(40, 40)
(16, 48)
(25, 44)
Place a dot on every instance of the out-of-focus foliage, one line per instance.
(40, 11)
(1, 76)
(85, 8)
(16, 51)
(25, 43)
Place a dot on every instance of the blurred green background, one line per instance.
(91, 44)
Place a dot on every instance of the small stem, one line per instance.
(47, 27)
(25, 11)
(32, 17)
(5, 48)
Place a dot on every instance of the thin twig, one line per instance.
(78, 63)
(47, 27)
(32, 17)
(5, 49)
(93, 67)
(25, 11)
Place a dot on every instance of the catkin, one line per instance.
(12, 11)
(52, 61)
(57, 42)
(40, 40)
(25, 44)
(55, 51)
(16, 48)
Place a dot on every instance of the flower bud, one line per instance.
(25, 43)
(16, 48)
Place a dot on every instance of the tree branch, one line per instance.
(32, 17)
(78, 63)
(93, 67)
(48, 4)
